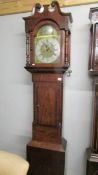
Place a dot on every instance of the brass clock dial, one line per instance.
(47, 45)
(47, 50)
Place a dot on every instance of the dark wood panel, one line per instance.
(47, 103)
(95, 118)
(47, 77)
(45, 161)
(92, 153)
(93, 57)
(48, 134)
(48, 91)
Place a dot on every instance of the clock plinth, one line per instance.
(46, 158)
(47, 58)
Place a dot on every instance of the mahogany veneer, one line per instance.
(46, 158)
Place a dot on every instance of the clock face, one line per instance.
(47, 50)
(47, 45)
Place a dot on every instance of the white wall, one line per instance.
(16, 90)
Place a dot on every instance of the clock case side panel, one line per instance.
(94, 146)
(91, 49)
(93, 57)
(92, 152)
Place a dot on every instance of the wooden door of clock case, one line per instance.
(46, 150)
(48, 91)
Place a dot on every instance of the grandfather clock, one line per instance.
(47, 58)
(92, 159)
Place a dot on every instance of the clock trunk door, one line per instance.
(47, 101)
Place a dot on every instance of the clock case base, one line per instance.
(46, 158)
(92, 163)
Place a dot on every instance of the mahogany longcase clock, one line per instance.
(48, 57)
(92, 153)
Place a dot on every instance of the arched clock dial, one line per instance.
(47, 45)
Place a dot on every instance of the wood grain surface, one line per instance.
(19, 6)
